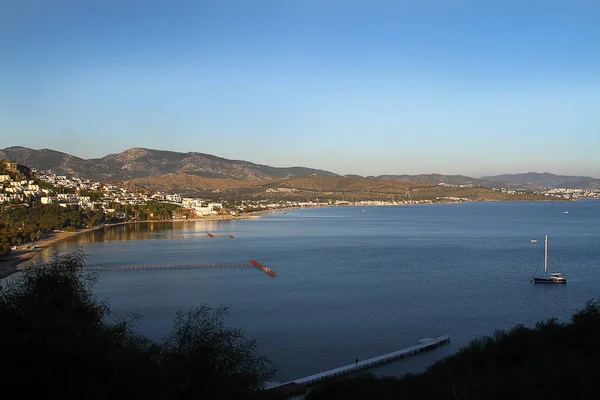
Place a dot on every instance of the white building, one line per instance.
(175, 198)
(49, 200)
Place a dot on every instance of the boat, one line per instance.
(566, 212)
(555, 277)
(533, 240)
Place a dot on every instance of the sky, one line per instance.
(353, 87)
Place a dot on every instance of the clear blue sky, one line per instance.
(355, 87)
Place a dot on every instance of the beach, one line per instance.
(9, 264)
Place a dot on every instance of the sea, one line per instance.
(356, 282)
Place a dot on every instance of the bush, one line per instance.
(57, 340)
(551, 361)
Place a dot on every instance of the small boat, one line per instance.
(566, 212)
(555, 277)
(533, 240)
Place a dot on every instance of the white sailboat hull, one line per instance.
(551, 278)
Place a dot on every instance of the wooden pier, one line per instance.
(424, 345)
(252, 263)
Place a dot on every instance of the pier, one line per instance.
(251, 263)
(424, 345)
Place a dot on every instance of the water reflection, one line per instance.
(139, 231)
(147, 230)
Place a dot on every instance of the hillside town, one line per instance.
(65, 191)
(22, 191)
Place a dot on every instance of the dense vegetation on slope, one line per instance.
(22, 223)
(56, 340)
(553, 360)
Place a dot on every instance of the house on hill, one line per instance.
(11, 166)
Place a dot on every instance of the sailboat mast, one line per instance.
(546, 257)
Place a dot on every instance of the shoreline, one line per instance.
(9, 264)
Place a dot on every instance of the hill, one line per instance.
(313, 187)
(582, 184)
(434, 179)
(548, 180)
(140, 162)
(459, 180)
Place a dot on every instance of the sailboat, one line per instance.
(555, 277)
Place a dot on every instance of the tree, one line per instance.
(51, 323)
(201, 354)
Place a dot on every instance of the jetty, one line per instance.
(251, 263)
(424, 345)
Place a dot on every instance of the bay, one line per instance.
(357, 282)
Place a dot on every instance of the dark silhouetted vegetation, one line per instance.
(553, 360)
(57, 341)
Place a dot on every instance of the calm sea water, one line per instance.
(356, 284)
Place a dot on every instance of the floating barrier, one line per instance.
(174, 266)
(263, 267)
(252, 263)
(207, 236)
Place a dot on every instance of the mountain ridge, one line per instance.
(141, 163)
(548, 180)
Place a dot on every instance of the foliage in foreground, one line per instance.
(551, 361)
(56, 340)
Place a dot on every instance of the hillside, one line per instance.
(313, 187)
(434, 179)
(582, 184)
(547, 180)
(139, 163)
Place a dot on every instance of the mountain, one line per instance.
(590, 183)
(547, 180)
(140, 163)
(45, 159)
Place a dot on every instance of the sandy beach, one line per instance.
(9, 264)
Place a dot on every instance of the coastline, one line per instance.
(9, 264)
